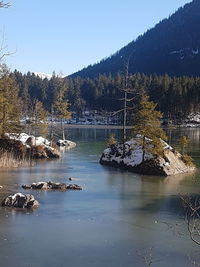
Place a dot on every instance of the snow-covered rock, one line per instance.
(19, 200)
(37, 147)
(66, 143)
(130, 157)
(28, 139)
(193, 118)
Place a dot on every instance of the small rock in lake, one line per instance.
(26, 186)
(52, 186)
(1, 186)
(57, 186)
(74, 187)
(66, 143)
(40, 185)
(19, 200)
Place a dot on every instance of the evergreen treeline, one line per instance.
(176, 96)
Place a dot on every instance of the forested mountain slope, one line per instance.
(172, 47)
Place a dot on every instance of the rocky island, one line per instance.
(129, 156)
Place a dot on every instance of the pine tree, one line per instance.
(184, 141)
(111, 140)
(10, 104)
(39, 118)
(61, 110)
(147, 124)
(61, 105)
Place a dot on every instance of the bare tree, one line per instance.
(4, 5)
(2, 44)
(191, 204)
(126, 99)
(3, 52)
(52, 125)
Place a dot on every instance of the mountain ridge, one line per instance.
(171, 47)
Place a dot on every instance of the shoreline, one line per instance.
(95, 126)
(119, 127)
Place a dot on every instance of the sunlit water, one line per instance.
(117, 219)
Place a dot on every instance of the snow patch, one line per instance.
(66, 143)
(195, 51)
(23, 138)
(130, 154)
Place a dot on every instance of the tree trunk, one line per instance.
(52, 133)
(143, 148)
(63, 129)
(125, 114)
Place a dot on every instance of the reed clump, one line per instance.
(10, 160)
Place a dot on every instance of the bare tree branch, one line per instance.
(192, 208)
(4, 5)
(3, 48)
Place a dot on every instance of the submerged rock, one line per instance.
(74, 187)
(129, 157)
(20, 201)
(57, 186)
(52, 186)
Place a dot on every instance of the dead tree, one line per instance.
(52, 125)
(4, 5)
(126, 92)
(191, 204)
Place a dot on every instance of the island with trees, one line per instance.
(147, 152)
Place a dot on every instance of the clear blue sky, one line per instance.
(67, 35)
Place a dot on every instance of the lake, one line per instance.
(116, 221)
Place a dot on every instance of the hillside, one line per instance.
(172, 47)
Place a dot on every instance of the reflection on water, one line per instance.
(116, 215)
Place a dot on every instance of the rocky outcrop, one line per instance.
(129, 157)
(26, 146)
(52, 186)
(44, 152)
(20, 201)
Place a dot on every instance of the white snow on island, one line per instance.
(28, 139)
(130, 156)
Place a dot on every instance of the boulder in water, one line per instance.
(19, 200)
(52, 186)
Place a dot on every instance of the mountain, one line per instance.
(172, 47)
(47, 76)
(43, 75)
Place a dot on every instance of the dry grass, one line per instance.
(8, 160)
